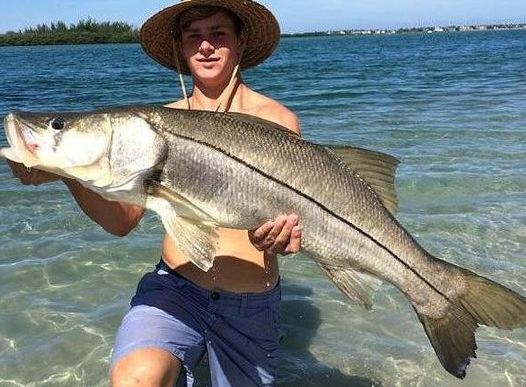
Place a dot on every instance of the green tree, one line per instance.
(86, 31)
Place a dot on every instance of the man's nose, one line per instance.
(206, 47)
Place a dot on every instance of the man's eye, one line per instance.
(57, 123)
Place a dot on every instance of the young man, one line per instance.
(180, 312)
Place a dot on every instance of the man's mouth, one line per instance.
(208, 60)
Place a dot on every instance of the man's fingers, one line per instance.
(279, 236)
(20, 172)
(283, 238)
(261, 232)
(15, 167)
(276, 230)
(295, 241)
(11, 165)
(30, 176)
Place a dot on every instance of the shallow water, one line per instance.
(451, 107)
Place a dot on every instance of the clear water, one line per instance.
(451, 107)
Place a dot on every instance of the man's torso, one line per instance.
(238, 266)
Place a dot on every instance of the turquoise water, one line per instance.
(451, 107)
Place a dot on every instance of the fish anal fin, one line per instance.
(376, 168)
(357, 285)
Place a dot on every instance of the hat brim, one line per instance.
(263, 34)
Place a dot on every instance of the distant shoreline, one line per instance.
(413, 30)
(92, 32)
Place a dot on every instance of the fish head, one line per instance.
(68, 144)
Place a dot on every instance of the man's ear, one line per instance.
(243, 37)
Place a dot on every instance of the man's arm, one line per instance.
(115, 217)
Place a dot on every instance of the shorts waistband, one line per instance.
(250, 300)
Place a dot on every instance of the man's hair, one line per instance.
(197, 13)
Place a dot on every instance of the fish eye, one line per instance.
(57, 123)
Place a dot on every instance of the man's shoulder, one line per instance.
(181, 104)
(271, 110)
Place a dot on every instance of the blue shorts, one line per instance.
(240, 332)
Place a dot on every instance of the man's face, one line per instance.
(212, 48)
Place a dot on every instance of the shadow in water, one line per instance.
(299, 368)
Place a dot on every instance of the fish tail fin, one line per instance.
(492, 304)
(483, 303)
(452, 336)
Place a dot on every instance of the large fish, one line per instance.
(201, 170)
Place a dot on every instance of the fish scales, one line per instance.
(200, 170)
(259, 146)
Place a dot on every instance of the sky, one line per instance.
(293, 15)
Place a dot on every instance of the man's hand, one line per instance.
(279, 236)
(31, 176)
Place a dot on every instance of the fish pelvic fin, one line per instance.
(196, 240)
(483, 302)
(194, 231)
(359, 286)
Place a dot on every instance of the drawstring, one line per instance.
(181, 77)
(233, 85)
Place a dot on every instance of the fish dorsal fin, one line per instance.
(193, 231)
(376, 168)
(357, 285)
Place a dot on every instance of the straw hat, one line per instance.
(157, 33)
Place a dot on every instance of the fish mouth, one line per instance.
(22, 142)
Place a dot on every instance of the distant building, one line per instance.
(411, 30)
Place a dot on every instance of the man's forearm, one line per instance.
(115, 217)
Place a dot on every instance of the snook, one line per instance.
(201, 170)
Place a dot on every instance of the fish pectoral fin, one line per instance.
(357, 285)
(184, 207)
(197, 240)
(376, 168)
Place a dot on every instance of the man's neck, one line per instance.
(215, 97)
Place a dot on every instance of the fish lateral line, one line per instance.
(311, 199)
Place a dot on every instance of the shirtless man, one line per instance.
(231, 311)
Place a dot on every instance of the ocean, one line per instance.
(451, 107)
